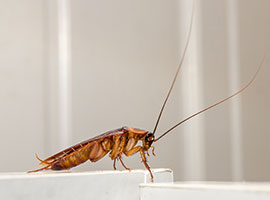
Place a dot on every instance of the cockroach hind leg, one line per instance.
(38, 158)
(42, 162)
(37, 170)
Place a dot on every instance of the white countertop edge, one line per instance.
(67, 173)
(232, 186)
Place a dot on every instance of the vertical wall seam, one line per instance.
(234, 84)
(64, 51)
(192, 94)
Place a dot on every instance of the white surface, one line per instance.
(78, 185)
(209, 191)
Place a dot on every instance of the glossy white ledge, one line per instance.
(205, 190)
(113, 185)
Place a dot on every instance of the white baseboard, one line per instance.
(205, 190)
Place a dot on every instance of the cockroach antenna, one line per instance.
(178, 69)
(219, 102)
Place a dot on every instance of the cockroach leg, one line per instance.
(41, 161)
(41, 169)
(153, 150)
(145, 163)
(133, 151)
(124, 164)
(114, 161)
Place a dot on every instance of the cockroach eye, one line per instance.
(149, 137)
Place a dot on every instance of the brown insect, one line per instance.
(123, 140)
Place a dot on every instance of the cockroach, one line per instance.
(124, 140)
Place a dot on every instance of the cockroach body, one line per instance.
(124, 140)
(116, 142)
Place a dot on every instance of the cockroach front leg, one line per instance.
(145, 163)
(135, 150)
(153, 150)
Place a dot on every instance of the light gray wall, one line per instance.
(255, 31)
(21, 83)
(122, 56)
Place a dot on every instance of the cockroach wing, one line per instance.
(76, 147)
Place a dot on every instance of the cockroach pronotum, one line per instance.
(123, 140)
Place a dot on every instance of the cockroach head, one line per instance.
(149, 139)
